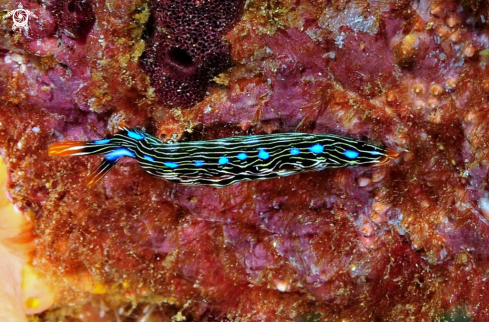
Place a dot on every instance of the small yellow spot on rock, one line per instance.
(222, 79)
(98, 288)
(409, 41)
(125, 284)
(38, 295)
(178, 317)
(405, 52)
(31, 303)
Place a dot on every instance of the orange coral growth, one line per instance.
(24, 290)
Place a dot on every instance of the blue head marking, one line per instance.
(119, 153)
(223, 160)
(262, 154)
(351, 154)
(104, 141)
(317, 148)
(172, 165)
(295, 151)
(135, 135)
(147, 157)
(242, 156)
(198, 163)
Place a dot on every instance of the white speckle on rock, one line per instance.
(339, 40)
(18, 58)
(484, 206)
(352, 16)
(35, 129)
(282, 286)
(363, 181)
(330, 54)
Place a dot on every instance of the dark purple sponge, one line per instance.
(74, 17)
(185, 48)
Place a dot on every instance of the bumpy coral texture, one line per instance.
(405, 241)
(185, 49)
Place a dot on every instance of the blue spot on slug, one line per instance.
(147, 157)
(135, 135)
(119, 153)
(350, 154)
(316, 148)
(262, 154)
(198, 163)
(104, 141)
(223, 160)
(242, 156)
(375, 153)
(172, 165)
(295, 151)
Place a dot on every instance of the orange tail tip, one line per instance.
(62, 149)
(391, 155)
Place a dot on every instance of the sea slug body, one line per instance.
(226, 161)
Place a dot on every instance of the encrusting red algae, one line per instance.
(402, 241)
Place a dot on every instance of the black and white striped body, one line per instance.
(230, 160)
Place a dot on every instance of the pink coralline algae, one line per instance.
(185, 49)
(400, 242)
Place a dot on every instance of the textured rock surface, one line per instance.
(404, 241)
(185, 49)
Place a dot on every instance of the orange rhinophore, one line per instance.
(390, 155)
(67, 148)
